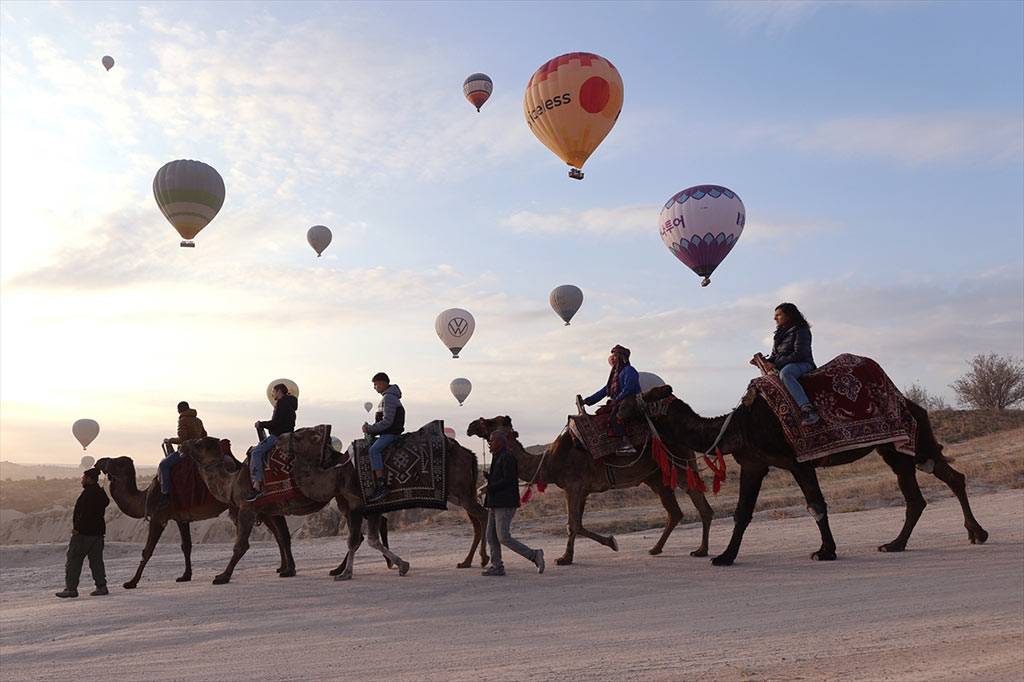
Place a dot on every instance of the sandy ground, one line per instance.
(945, 610)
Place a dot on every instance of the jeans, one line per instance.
(82, 546)
(165, 471)
(377, 450)
(257, 455)
(790, 375)
(499, 524)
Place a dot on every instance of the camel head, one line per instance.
(483, 427)
(117, 468)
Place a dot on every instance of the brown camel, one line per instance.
(755, 439)
(578, 474)
(132, 502)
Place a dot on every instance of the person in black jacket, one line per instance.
(792, 357)
(87, 537)
(282, 422)
(502, 500)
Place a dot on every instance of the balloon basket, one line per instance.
(187, 245)
(706, 281)
(575, 174)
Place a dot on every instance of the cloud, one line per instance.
(772, 18)
(596, 221)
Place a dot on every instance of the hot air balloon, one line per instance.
(293, 389)
(367, 406)
(189, 194)
(87, 462)
(455, 326)
(337, 444)
(85, 430)
(319, 237)
(700, 225)
(571, 104)
(460, 389)
(477, 88)
(649, 380)
(566, 300)
(108, 62)
(449, 431)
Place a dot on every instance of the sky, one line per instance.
(878, 149)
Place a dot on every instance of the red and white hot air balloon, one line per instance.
(477, 88)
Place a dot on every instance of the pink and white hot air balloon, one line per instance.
(700, 225)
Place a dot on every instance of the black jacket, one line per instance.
(283, 420)
(88, 518)
(792, 344)
(503, 481)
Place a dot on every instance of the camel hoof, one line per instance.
(130, 585)
(613, 543)
(722, 560)
(280, 569)
(978, 537)
(343, 576)
(221, 579)
(403, 568)
(484, 560)
(290, 573)
(564, 561)
(824, 555)
(699, 552)
(336, 571)
(184, 578)
(654, 551)
(464, 564)
(389, 563)
(893, 547)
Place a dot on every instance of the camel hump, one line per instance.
(658, 393)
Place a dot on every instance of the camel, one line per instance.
(132, 502)
(578, 474)
(755, 439)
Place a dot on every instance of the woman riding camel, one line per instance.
(623, 381)
(791, 356)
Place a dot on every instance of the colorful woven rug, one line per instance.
(414, 470)
(278, 485)
(593, 433)
(858, 403)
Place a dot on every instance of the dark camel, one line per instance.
(132, 502)
(755, 439)
(578, 474)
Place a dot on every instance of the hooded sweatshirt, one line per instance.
(283, 420)
(190, 426)
(390, 416)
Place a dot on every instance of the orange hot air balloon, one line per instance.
(571, 104)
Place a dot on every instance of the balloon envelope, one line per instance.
(293, 389)
(461, 389)
(87, 462)
(700, 225)
(571, 104)
(449, 431)
(108, 62)
(85, 430)
(367, 406)
(455, 326)
(477, 88)
(319, 237)
(649, 380)
(189, 194)
(566, 300)
(337, 444)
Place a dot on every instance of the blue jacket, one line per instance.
(629, 384)
(792, 344)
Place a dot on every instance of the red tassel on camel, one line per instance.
(717, 466)
(659, 452)
(527, 495)
(694, 481)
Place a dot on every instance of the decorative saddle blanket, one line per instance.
(414, 470)
(187, 487)
(858, 404)
(278, 484)
(594, 433)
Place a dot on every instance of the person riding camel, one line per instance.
(190, 426)
(282, 422)
(388, 425)
(623, 381)
(791, 356)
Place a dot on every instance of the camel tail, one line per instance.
(927, 445)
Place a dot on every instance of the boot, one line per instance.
(625, 447)
(811, 416)
(67, 593)
(100, 591)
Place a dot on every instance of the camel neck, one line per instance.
(526, 463)
(699, 433)
(127, 496)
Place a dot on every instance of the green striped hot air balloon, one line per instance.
(189, 194)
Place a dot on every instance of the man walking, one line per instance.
(502, 501)
(87, 537)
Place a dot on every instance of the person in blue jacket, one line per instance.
(623, 381)
(792, 357)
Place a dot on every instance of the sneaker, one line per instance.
(811, 416)
(493, 571)
(254, 495)
(625, 448)
(99, 592)
(539, 560)
(378, 494)
(66, 594)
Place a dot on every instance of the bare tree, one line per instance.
(920, 395)
(994, 382)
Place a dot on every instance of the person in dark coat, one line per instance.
(502, 500)
(792, 357)
(282, 422)
(87, 537)
(190, 426)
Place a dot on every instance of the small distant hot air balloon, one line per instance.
(477, 88)
(449, 431)
(455, 326)
(189, 194)
(649, 380)
(337, 444)
(367, 406)
(566, 300)
(87, 462)
(85, 430)
(571, 104)
(293, 389)
(108, 62)
(700, 225)
(461, 389)
(319, 237)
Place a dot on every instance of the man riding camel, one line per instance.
(623, 381)
(282, 422)
(388, 425)
(189, 426)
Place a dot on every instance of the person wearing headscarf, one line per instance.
(623, 381)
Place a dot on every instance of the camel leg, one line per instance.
(606, 540)
(700, 502)
(573, 513)
(243, 529)
(273, 527)
(279, 526)
(478, 517)
(185, 531)
(807, 479)
(751, 477)
(373, 539)
(155, 531)
(671, 505)
(958, 484)
(906, 476)
(355, 538)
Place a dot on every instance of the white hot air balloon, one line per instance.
(461, 389)
(368, 406)
(337, 444)
(455, 326)
(449, 431)
(566, 300)
(649, 380)
(319, 237)
(87, 462)
(85, 430)
(293, 389)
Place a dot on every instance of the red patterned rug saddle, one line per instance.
(858, 404)
(187, 487)
(278, 484)
(594, 433)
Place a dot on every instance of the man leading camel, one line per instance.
(87, 537)
(623, 381)
(502, 500)
(389, 422)
(189, 426)
(282, 422)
